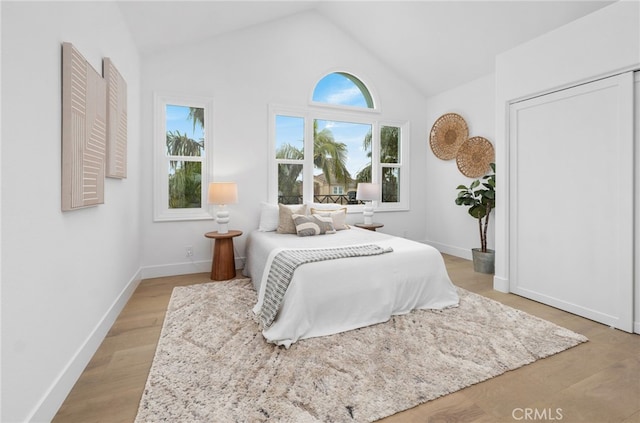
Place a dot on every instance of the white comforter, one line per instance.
(334, 296)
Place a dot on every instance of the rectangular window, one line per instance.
(390, 160)
(182, 158)
(390, 184)
(341, 159)
(289, 155)
(389, 144)
(185, 186)
(186, 142)
(321, 157)
(289, 183)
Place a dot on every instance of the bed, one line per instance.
(334, 296)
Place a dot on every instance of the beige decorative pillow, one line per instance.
(339, 217)
(313, 225)
(285, 221)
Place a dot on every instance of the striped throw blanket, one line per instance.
(285, 263)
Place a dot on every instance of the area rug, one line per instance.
(213, 365)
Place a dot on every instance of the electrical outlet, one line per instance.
(188, 251)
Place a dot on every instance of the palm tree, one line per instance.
(328, 155)
(288, 185)
(196, 114)
(181, 145)
(185, 178)
(364, 174)
(388, 150)
(389, 144)
(185, 185)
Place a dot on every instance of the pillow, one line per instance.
(268, 217)
(325, 206)
(285, 221)
(313, 225)
(339, 217)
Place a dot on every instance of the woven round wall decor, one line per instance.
(475, 157)
(447, 135)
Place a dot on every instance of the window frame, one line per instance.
(343, 114)
(161, 210)
(360, 84)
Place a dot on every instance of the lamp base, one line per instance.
(222, 217)
(368, 213)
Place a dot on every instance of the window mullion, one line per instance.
(307, 169)
(289, 161)
(376, 170)
(185, 158)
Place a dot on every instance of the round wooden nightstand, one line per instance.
(369, 226)
(223, 265)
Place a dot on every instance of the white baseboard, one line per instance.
(185, 268)
(451, 250)
(48, 406)
(636, 327)
(611, 319)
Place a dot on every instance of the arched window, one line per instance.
(342, 89)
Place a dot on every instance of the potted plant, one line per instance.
(480, 197)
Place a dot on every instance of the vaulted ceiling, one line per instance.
(435, 45)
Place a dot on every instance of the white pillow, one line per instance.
(339, 217)
(269, 217)
(324, 206)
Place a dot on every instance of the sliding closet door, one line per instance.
(571, 200)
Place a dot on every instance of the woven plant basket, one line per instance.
(447, 135)
(475, 156)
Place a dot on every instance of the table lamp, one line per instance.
(221, 194)
(368, 193)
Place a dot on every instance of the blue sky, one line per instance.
(337, 89)
(177, 118)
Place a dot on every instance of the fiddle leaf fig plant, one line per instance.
(480, 197)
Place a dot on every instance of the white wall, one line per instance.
(245, 71)
(449, 226)
(602, 43)
(64, 275)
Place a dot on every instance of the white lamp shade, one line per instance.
(368, 192)
(223, 193)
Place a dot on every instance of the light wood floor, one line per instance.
(598, 381)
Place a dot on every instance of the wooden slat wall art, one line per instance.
(116, 121)
(84, 113)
